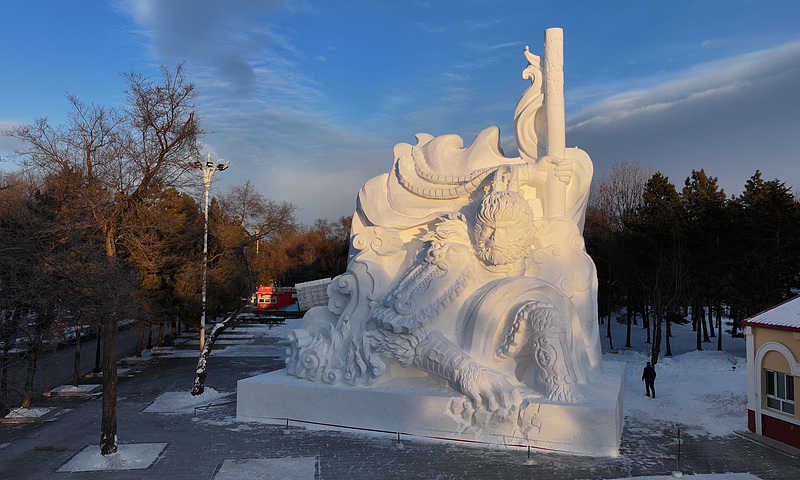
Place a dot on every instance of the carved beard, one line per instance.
(497, 255)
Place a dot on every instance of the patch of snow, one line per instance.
(32, 413)
(704, 390)
(129, 457)
(300, 468)
(278, 331)
(235, 351)
(68, 390)
(185, 402)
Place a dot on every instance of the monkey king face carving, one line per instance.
(503, 228)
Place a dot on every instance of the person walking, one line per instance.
(649, 378)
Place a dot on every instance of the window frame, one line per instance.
(779, 391)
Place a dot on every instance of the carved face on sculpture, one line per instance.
(503, 228)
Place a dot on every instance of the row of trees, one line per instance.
(662, 252)
(100, 227)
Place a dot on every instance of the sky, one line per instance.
(307, 98)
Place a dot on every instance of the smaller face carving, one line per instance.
(500, 243)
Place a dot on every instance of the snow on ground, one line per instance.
(27, 414)
(289, 468)
(704, 390)
(280, 330)
(185, 402)
(70, 390)
(128, 457)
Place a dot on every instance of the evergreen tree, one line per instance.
(656, 244)
(703, 209)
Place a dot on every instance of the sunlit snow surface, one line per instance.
(705, 391)
(129, 457)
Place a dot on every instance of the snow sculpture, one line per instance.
(468, 308)
(470, 266)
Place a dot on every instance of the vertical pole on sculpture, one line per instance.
(556, 196)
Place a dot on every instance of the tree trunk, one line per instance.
(628, 331)
(710, 321)
(31, 373)
(8, 333)
(646, 323)
(4, 360)
(719, 325)
(108, 422)
(655, 347)
(698, 328)
(160, 340)
(139, 343)
(703, 322)
(202, 361)
(97, 356)
(669, 334)
(76, 370)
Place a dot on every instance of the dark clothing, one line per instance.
(649, 377)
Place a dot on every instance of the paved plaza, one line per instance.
(209, 443)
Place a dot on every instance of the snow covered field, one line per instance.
(704, 390)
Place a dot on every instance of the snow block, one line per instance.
(425, 407)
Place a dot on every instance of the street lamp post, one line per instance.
(209, 167)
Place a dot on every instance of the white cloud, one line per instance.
(728, 117)
(208, 30)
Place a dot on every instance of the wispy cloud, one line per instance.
(208, 30)
(482, 25)
(729, 117)
(486, 47)
(730, 80)
(427, 28)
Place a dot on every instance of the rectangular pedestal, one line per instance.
(426, 408)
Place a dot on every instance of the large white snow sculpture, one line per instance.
(468, 269)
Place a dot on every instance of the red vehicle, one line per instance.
(275, 298)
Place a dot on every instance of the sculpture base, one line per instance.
(425, 407)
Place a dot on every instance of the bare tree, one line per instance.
(261, 217)
(618, 194)
(613, 204)
(119, 159)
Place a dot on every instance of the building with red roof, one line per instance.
(773, 368)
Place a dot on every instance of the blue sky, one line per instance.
(308, 98)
